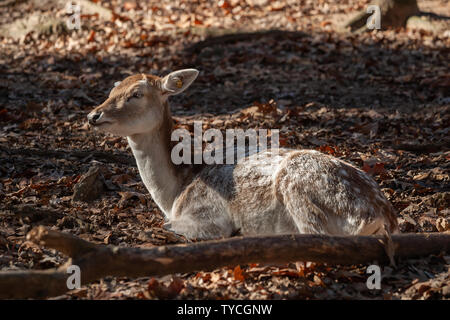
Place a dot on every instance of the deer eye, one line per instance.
(135, 95)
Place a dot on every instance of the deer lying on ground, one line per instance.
(297, 191)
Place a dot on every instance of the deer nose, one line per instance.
(94, 116)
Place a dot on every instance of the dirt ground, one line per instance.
(379, 100)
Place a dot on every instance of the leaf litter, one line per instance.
(379, 100)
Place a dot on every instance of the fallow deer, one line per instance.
(296, 191)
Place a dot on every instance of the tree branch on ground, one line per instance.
(98, 261)
(78, 154)
(399, 13)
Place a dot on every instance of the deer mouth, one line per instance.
(98, 124)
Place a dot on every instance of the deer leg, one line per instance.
(200, 228)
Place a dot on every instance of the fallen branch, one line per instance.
(399, 13)
(428, 21)
(79, 154)
(393, 14)
(98, 261)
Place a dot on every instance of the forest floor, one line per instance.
(380, 100)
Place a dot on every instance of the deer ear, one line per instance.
(178, 81)
(116, 84)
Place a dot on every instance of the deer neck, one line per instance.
(161, 177)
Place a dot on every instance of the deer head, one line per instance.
(137, 104)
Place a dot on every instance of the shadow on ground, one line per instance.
(293, 68)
